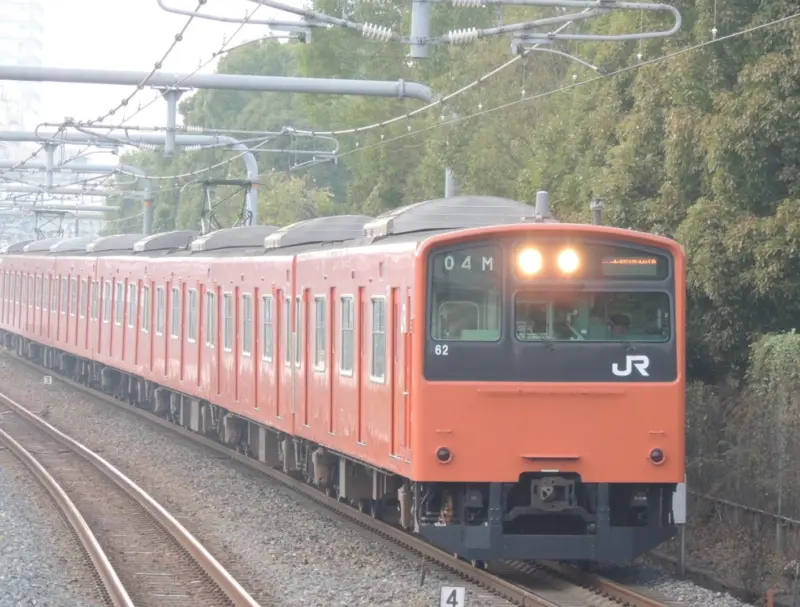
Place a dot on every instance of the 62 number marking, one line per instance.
(441, 350)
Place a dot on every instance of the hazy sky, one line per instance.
(130, 35)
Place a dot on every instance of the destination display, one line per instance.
(630, 267)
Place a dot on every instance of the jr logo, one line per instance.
(639, 361)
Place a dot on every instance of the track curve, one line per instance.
(142, 554)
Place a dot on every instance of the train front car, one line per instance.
(550, 406)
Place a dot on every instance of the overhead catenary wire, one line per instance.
(574, 85)
(503, 106)
(125, 102)
(517, 102)
(157, 66)
(221, 51)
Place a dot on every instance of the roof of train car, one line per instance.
(412, 223)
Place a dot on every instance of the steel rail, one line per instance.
(619, 592)
(111, 582)
(522, 596)
(232, 589)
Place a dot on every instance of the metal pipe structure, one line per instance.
(171, 84)
(147, 189)
(39, 206)
(85, 137)
(230, 82)
(35, 189)
(450, 187)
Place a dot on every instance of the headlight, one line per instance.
(568, 261)
(529, 261)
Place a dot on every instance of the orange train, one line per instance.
(507, 386)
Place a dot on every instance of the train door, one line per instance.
(305, 335)
(405, 408)
(362, 353)
(395, 362)
(332, 353)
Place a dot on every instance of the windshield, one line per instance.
(600, 316)
(466, 294)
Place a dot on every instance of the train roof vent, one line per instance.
(228, 238)
(39, 245)
(115, 242)
(335, 228)
(18, 247)
(454, 213)
(177, 239)
(72, 245)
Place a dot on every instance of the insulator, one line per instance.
(194, 128)
(379, 32)
(463, 36)
(468, 2)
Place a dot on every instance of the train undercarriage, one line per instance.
(541, 517)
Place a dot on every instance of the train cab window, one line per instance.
(161, 311)
(247, 324)
(192, 315)
(348, 335)
(601, 316)
(120, 304)
(175, 319)
(95, 299)
(466, 289)
(227, 321)
(378, 365)
(82, 307)
(145, 309)
(132, 305)
(320, 333)
(211, 319)
(107, 301)
(268, 327)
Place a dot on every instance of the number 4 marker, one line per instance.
(453, 596)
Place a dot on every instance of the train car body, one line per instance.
(507, 386)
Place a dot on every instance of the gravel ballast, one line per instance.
(40, 561)
(302, 556)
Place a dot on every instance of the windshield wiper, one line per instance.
(546, 340)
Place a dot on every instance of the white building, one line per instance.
(21, 43)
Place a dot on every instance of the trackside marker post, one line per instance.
(48, 379)
(453, 596)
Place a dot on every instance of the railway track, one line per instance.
(510, 583)
(141, 554)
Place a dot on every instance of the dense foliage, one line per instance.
(703, 146)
